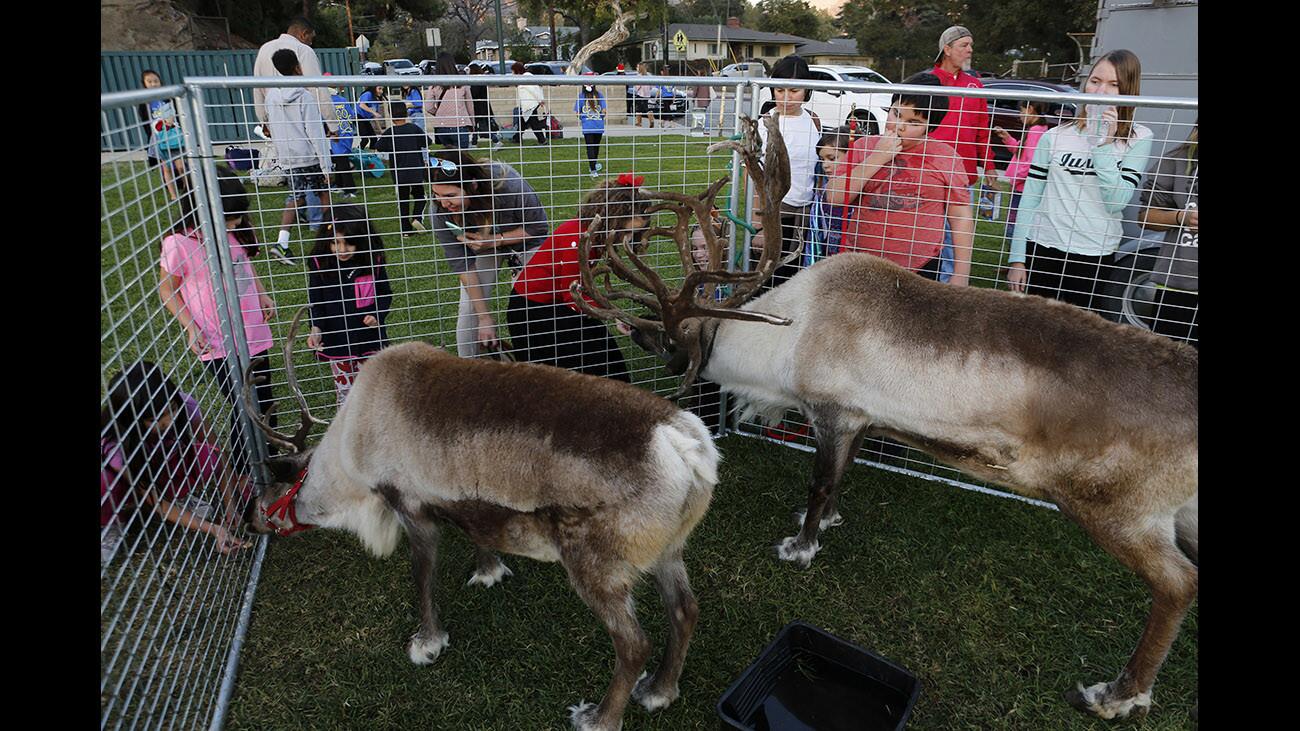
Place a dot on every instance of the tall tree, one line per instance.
(793, 17)
(904, 34)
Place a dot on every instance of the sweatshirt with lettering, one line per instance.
(1075, 194)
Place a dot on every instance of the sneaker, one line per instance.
(282, 253)
(599, 167)
(595, 174)
(415, 223)
(498, 145)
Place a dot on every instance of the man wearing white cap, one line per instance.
(966, 126)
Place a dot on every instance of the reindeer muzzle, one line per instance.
(282, 516)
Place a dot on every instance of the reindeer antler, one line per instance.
(679, 311)
(298, 442)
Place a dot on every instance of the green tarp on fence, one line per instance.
(229, 111)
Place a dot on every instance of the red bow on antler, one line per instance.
(631, 179)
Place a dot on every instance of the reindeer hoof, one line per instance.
(802, 554)
(583, 717)
(1096, 700)
(644, 694)
(424, 650)
(492, 577)
(829, 521)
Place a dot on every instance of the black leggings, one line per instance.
(535, 122)
(343, 171)
(1176, 317)
(1072, 278)
(558, 336)
(593, 147)
(220, 367)
(366, 132)
(411, 207)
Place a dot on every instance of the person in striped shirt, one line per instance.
(1081, 178)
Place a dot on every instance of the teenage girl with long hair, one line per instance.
(1081, 178)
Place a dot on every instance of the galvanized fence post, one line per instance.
(208, 191)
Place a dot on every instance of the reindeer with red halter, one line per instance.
(1034, 395)
(603, 477)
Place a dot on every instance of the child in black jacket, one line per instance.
(349, 295)
(410, 147)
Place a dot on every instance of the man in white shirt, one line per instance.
(297, 38)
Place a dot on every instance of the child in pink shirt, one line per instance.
(898, 189)
(186, 290)
(1018, 170)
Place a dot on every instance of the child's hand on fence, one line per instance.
(198, 342)
(1016, 277)
(370, 321)
(487, 332)
(268, 306)
(227, 543)
(313, 340)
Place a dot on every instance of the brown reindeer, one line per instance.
(603, 477)
(1034, 395)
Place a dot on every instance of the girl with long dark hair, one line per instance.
(485, 215)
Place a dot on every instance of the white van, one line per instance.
(835, 107)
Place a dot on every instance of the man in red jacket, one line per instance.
(966, 126)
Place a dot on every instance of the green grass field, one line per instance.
(997, 605)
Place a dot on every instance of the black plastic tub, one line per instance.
(811, 680)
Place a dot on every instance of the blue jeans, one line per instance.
(457, 137)
(314, 213)
(947, 261)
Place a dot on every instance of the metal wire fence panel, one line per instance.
(121, 71)
(1043, 200)
(449, 210)
(174, 564)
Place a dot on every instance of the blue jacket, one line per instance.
(593, 122)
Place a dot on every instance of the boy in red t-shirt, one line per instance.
(899, 188)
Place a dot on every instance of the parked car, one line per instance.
(1005, 113)
(426, 66)
(669, 106)
(370, 68)
(753, 69)
(553, 68)
(401, 67)
(835, 107)
(491, 66)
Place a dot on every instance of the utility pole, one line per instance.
(348, 5)
(501, 43)
(554, 54)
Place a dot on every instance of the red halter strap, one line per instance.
(283, 509)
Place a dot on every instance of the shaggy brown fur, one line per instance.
(601, 476)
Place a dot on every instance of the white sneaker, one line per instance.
(415, 223)
(282, 253)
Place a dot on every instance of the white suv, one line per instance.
(401, 67)
(835, 107)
